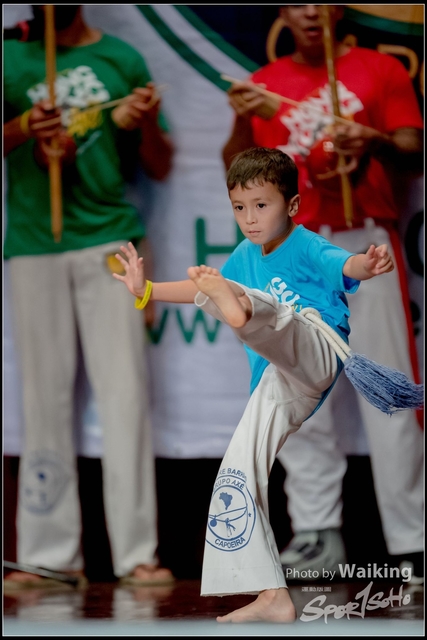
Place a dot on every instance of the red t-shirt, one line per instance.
(374, 89)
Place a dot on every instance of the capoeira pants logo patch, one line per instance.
(232, 512)
(44, 479)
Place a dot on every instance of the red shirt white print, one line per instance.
(374, 89)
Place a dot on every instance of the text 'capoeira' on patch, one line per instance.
(232, 512)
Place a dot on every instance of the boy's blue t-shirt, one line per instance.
(304, 271)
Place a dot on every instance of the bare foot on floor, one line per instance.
(152, 573)
(148, 575)
(272, 605)
(24, 580)
(236, 310)
(22, 576)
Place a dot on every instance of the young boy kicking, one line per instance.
(262, 292)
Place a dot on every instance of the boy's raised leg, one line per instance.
(237, 310)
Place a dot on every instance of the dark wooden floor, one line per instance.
(173, 610)
(107, 608)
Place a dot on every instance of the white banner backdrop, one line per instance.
(200, 376)
(199, 372)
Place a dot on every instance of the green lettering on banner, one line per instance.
(203, 249)
(199, 318)
(155, 333)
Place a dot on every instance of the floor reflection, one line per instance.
(140, 603)
(327, 610)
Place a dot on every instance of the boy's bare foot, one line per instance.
(236, 310)
(272, 605)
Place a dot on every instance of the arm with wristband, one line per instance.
(375, 261)
(19, 129)
(40, 123)
(182, 291)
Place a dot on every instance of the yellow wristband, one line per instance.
(140, 303)
(24, 124)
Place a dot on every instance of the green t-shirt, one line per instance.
(93, 188)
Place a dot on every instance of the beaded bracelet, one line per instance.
(24, 124)
(140, 303)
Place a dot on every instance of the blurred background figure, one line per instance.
(61, 299)
(188, 218)
(374, 90)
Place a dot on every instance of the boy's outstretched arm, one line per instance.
(134, 279)
(363, 266)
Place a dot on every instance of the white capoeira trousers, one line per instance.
(240, 550)
(57, 298)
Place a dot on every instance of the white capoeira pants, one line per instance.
(314, 462)
(55, 298)
(240, 550)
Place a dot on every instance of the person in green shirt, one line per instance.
(63, 293)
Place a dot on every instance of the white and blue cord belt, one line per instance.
(387, 389)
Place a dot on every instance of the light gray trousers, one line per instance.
(54, 298)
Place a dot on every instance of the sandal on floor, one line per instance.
(12, 586)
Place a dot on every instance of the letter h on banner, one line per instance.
(203, 249)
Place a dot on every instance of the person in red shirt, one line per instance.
(381, 139)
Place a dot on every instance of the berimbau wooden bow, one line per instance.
(328, 39)
(54, 156)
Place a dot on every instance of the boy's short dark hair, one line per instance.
(259, 165)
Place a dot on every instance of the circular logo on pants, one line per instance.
(232, 512)
(44, 479)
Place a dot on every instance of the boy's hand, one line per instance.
(377, 260)
(134, 278)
